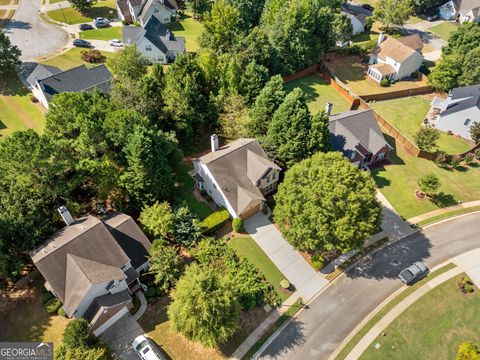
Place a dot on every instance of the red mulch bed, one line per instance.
(420, 195)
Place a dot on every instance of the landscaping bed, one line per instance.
(433, 327)
(319, 92)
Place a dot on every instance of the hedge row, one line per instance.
(214, 221)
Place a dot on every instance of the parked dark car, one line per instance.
(368, 7)
(433, 17)
(82, 43)
(102, 24)
(413, 273)
(84, 27)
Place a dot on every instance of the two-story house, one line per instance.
(395, 58)
(93, 266)
(238, 176)
(142, 10)
(461, 10)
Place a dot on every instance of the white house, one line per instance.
(142, 10)
(357, 20)
(395, 59)
(154, 41)
(93, 266)
(46, 81)
(461, 10)
(237, 176)
(458, 112)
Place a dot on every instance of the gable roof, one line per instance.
(464, 91)
(233, 166)
(464, 6)
(41, 72)
(77, 79)
(399, 49)
(356, 127)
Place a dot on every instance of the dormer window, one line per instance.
(353, 155)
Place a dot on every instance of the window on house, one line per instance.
(155, 11)
(110, 285)
(148, 47)
(214, 186)
(267, 178)
(466, 122)
(381, 156)
(352, 155)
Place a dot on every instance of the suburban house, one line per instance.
(395, 58)
(357, 20)
(357, 135)
(46, 81)
(238, 176)
(93, 265)
(458, 112)
(141, 11)
(154, 41)
(460, 10)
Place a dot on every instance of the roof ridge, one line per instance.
(227, 153)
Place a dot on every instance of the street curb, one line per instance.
(451, 218)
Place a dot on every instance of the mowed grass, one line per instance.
(183, 193)
(353, 73)
(190, 29)
(407, 114)
(5, 16)
(319, 92)
(113, 32)
(72, 58)
(444, 30)
(398, 182)
(246, 247)
(433, 327)
(103, 8)
(17, 112)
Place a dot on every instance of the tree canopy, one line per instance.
(9, 55)
(325, 203)
(393, 13)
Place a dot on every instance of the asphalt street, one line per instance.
(319, 330)
(32, 35)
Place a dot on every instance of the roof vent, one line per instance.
(66, 216)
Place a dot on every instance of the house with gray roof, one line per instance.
(93, 266)
(46, 81)
(142, 10)
(357, 135)
(460, 10)
(458, 112)
(154, 41)
(238, 176)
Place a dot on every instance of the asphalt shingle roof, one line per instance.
(41, 72)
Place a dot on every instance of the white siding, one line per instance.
(356, 24)
(40, 96)
(409, 66)
(95, 291)
(155, 55)
(160, 12)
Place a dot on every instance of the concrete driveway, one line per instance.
(32, 35)
(119, 337)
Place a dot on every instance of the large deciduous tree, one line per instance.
(293, 133)
(199, 7)
(204, 307)
(342, 27)
(250, 12)
(129, 63)
(426, 138)
(165, 265)
(325, 203)
(9, 55)
(393, 13)
(468, 351)
(158, 220)
(82, 5)
(252, 82)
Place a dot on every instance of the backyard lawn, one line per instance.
(5, 16)
(247, 247)
(190, 29)
(113, 32)
(398, 181)
(319, 92)
(432, 328)
(444, 30)
(409, 119)
(103, 8)
(17, 112)
(71, 59)
(183, 192)
(353, 73)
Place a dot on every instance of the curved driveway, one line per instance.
(318, 331)
(33, 36)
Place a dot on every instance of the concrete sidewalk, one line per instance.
(428, 215)
(393, 225)
(294, 267)
(470, 263)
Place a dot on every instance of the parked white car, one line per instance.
(146, 349)
(116, 43)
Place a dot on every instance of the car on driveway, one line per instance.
(116, 43)
(101, 22)
(413, 273)
(82, 43)
(84, 27)
(146, 349)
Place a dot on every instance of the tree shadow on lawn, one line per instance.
(349, 68)
(307, 85)
(387, 262)
(12, 86)
(177, 25)
(444, 200)
(99, 11)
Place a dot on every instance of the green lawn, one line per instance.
(409, 119)
(247, 247)
(190, 29)
(444, 30)
(5, 16)
(398, 182)
(319, 92)
(17, 112)
(184, 187)
(71, 59)
(365, 37)
(114, 32)
(103, 8)
(433, 327)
